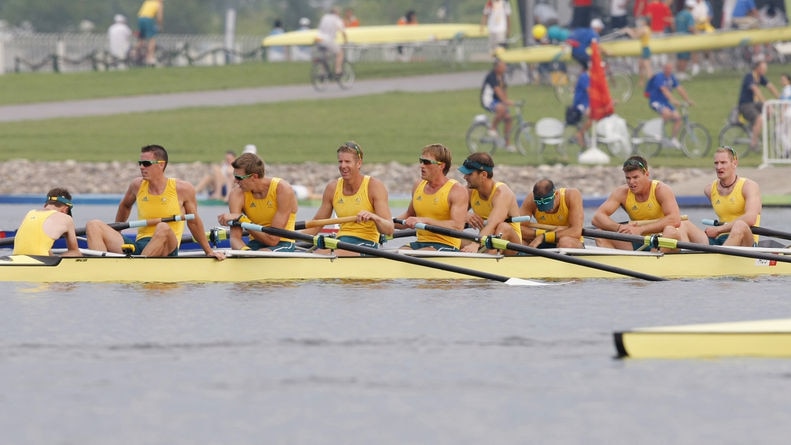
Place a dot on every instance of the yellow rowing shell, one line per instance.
(268, 266)
(658, 45)
(762, 338)
(363, 35)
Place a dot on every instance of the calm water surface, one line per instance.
(429, 362)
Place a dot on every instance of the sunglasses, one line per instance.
(634, 163)
(149, 163)
(425, 161)
(242, 177)
(545, 200)
(731, 149)
(354, 147)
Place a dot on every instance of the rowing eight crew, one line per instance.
(485, 205)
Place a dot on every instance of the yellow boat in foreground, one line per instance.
(763, 338)
(244, 266)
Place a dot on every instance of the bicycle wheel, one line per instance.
(478, 138)
(319, 76)
(737, 137)
(527, 142)
(564, 83)
(621, 86)
(644, 144)
(695, 140)
(346, 79)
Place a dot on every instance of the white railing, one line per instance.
(776, 116)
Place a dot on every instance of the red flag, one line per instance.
(599, 92)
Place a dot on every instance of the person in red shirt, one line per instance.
(660, 16)
(639, 8)
(349, 19)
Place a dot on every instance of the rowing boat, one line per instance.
(761, 338)
(259, 266)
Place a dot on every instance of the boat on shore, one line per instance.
(258, 266)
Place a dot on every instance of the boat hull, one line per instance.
(299, 266)
(761, 338)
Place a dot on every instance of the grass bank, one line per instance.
(389, 127)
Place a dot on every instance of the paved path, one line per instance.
(244, 96)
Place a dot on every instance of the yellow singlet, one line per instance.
(731, 206)
(435, 206)
(350, 205)
(559, 218)
(159, 206)
(149, 9)
(262, 210)
(30, 237)
(483, 207)
(648, 209)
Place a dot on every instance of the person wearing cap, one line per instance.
(41, 227)
(580, 40)
(436, 200)
(356, 194)
(491, 202)
(650, 205)
(156, 196)
(559, 211)
(119, 37)
(302, 52)
(267, 201)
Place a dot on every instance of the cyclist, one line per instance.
(149, 21)
(581, 104)
(494, 98)
(329, 26)
(751, 100)
(659, 91)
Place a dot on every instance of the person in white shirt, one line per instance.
(119, 36)
(329, 26)
(497, 17)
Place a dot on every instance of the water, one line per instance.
(434, 362)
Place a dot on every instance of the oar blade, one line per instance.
(523, 282)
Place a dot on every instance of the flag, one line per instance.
(601, 104)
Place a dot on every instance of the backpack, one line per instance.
(573, 115)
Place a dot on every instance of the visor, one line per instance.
(471, 166)
(62, 200)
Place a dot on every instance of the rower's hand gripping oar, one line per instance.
(325, 242)
(122, 225)
(755, 229)
(493, 242)
(656, 241)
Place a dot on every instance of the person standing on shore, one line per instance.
(436, 200)
(355, 194)
(41, 227)
(156, 196)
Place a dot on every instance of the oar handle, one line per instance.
(710, 222)
(324, 222)
(153, 221)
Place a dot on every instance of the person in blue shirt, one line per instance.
(659, 91)
(582, 103)
(745, 15)
(580, 40)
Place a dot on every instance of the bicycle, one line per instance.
(323, 70)
(650, 137)
(478, 138)
(620, 83)
(737, 134)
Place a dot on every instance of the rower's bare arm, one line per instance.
(576, 214)
(383, 217)
(325, 209)
(603, 216)
(752, 202)
(128, 200)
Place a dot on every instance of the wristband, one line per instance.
(550, 237)
(540, 232)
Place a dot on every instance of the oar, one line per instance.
(501, 244)
(527, 218)
(325, 242)
(756, 230)
(122, 225)
(299, 225)
(657, 241)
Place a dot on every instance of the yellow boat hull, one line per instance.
(658, 45)
(369, 35)
(763, 338)
(279, 267)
